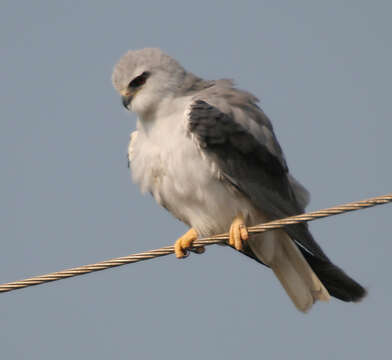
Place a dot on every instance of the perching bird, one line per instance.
(209, 155)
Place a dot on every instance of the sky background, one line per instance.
(323, 73)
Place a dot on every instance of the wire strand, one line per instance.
(217, 239)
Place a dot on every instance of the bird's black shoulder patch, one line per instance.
(220, 133)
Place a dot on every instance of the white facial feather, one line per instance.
(166, 76)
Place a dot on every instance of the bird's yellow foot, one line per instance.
(185, 242)
(238, 232)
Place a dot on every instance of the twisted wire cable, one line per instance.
(221, 238)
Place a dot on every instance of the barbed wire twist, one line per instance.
(217, 239)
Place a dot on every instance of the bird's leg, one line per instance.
(185, 242)
(238, 232)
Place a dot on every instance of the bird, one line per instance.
(208, 153)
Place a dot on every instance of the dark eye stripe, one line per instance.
(139, 80)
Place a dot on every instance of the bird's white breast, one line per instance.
(167, 162)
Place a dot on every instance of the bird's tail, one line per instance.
(337, 282)
(277, 250)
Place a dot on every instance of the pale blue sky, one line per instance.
(323, 73)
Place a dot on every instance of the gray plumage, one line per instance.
(207, 153)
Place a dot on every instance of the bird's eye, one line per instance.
(139, 80)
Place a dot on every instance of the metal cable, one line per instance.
(196, 244)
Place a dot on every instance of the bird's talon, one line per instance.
(185, 254)
(199, 250)
(238, 232)
(184, 243)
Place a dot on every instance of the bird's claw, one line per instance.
(238, 232)
(183, 245)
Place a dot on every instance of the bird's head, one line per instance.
(145, 77)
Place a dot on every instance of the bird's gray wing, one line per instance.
(250, 158)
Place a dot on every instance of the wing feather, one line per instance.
(251, 159)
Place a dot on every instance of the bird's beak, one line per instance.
(127, 96)
(126, 100)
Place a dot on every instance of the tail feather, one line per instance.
(278, 251)
(338, 283)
